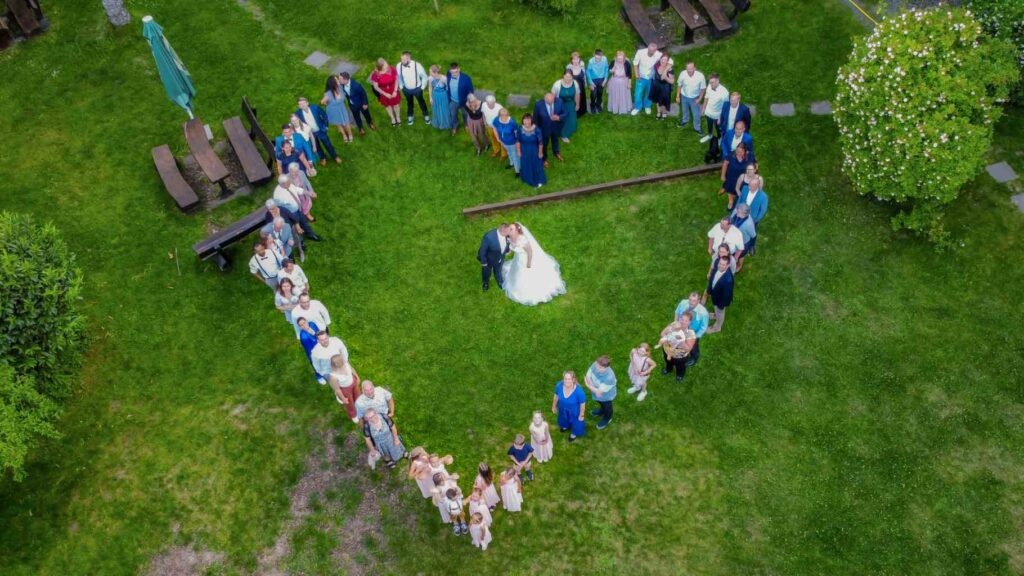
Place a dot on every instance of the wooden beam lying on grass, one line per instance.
(593, 188)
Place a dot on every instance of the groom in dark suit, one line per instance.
(493, 248)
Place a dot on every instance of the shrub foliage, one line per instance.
(1004, 19)
(557, 6)
(41, 334)
(916, 106)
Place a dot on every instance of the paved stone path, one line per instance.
(786, 109)
(1002, 172)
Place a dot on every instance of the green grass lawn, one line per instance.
(860, 413)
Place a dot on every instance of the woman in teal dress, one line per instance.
(569, 92)
(441, 117)
(531, 154)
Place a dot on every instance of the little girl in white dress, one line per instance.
(640, 367)
(511, 490)
(485, 482)
(540, 438)
(419, 470)
(480, 531)
(477, 505)
(439, 495)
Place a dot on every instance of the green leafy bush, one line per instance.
(916, 106)
(559, 6)
(41, 333)
(1004, 19)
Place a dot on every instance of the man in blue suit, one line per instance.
(547, 114)
(315, 117)
(734, 137)
(298, 142)
(460, 86)
(733, 113)
(493, 248)
(357, 101)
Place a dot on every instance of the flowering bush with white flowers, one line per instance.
(916, 105)
(1004, 19)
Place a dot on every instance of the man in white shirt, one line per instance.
(643, 72)
(327, 347)
(715, 98)
(295, 273)
(376, 397)
(725, 232)
(691, 94)
(264, 265)
(286, 194)
(312, 310)
(491, 109)
(412, 79)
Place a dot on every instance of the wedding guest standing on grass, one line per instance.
(733, 168)
(698, 313)
(715, 98)
(285, 300)
(314, 310)
(569, 93)
(508, 134)
(384, 80)
(338, 114)
(485, 483)
(531, 154)
(540, 438)
(578, 69)
(691, 94)
(491, 110)
(597, 78)
(344, 380)
(382, 438)
(303, 189)
(412, 79)
(547, 115)
(281, 232)
(724, 233)
(661, 86)
(377, 398)
(750, 191)
(478, 505)
(318, 120)
(738, 135)
(619, 85)
(456, 511)
(570, 403)
(736, 111)
(307, 338)
(264, 265)
(475, 124)
(511, 490)
(288, 154)
(295, 273)
(460, 86)
(643, 71)
(302, 129)
(301, 148)
(600, 379)
(720, 285)
(327, 347)
(741, 219)
(521, 453)
(358, 102)
(677, 340)
(440, 100)
(419, 470)
(479, 531)
(640, 367)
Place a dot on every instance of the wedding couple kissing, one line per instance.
(529, 276)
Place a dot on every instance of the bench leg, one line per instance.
(222, 261)
(687, 35)
(224, 192)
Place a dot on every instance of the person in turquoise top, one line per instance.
(601, 381)
(569, 93)
(508, 135)
(439, 98)
(531, 154)
(597, 76)
(570, 404)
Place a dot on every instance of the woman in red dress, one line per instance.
(385, 83)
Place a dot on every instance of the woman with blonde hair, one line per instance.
(419, 470)
(385, 83)
(570, 404)
(475, 124)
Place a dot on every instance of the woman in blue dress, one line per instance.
(336, 103)
(531, 154)
(307, 337)
(441, 116)
(568, 92)
(570, 404)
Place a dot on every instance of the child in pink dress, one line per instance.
(640, 367)
(419, 470)
(511, 490)
(480, 531)
(485, 482)
(439, 493)
(477, 505)
(540, 437)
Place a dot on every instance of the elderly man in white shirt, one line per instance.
(715, 98)
(295, 273)
(491, 109)
(691, 85)
(327, 347)
(377, 398)
(643, 72)
(724, 231)
(312, 310)
(412, 79)
(286, 194)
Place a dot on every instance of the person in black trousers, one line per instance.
(493, 248)
(547, 114)
(357, 101)
(677, 343)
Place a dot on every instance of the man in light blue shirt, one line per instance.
(699, 323)
(597, 76)
(601, 381)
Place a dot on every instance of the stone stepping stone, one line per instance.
(673, 110)
(753, 109)
(317, 59)
(1018, 199)
(343, 66)
(1001, 171)
(518, 101)
(786, 109)
(482, 95)
(822, 108)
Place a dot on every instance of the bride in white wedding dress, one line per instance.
(531, 277)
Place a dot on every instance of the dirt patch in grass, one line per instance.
(182, 561)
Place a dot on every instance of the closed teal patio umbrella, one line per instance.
(175, 77)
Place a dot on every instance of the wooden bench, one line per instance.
(6, 37)
(256, 131)
(24, 16)
(740, 6)
(256, 170)
(637, 16)
(195, 136)
(721, 25)
(214, 246)
(691, 17)
(175, 184)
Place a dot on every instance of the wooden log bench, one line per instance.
(637, 16)
(213, 247)
(721, 25)
(256, 131)
(195, 136)
(256, 170)
(167, 168)
(24, 16)
(691, 17)
(593, 188)
(6, 37)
